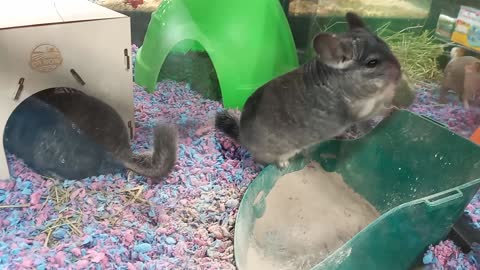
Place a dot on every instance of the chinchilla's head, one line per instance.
(361, 56)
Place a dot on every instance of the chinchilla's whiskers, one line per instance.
(390, 107)
(356, 50)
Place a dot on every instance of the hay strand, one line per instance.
(3, 206)
(67, 217)
(417, 51)
(134, 196)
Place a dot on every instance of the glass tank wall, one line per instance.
(367, 8)
(186, 57)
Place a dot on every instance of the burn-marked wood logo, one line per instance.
(45, 58)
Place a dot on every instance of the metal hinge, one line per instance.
(130, 127)
(127, 58)
(77, 77)
(19, 89)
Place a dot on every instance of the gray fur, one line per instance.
(162, 160)
(106, 128)
(319, 100)
(83, 134)
(228, 123)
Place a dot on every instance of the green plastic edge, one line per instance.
(299, 163)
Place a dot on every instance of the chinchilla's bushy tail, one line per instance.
(159, 163)
(228, 124)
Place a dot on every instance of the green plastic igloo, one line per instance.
(248, 41)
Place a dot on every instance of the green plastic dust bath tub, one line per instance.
(417, 174)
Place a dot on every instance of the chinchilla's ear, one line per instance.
(331, 50)
(354, 21)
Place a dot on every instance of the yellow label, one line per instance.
(467, 28)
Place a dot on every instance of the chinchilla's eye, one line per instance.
(372, 63)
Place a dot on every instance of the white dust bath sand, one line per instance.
(309, 214)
